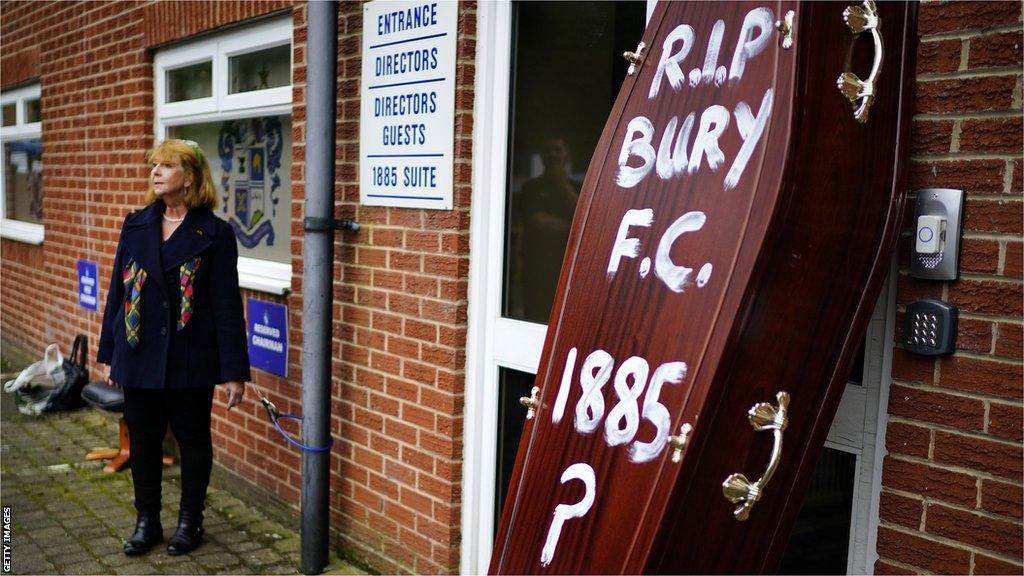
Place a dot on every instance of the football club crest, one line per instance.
(250, 156)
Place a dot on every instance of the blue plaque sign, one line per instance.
(88, 285)
(268, 337)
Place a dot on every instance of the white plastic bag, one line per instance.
(33, 386)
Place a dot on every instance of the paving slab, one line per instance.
(69, 517)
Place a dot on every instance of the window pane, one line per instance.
(10, 114)
(512, 385)
(555, 122)
(23, 180)
(251, 160)
(270, 68)
(190, 82)
(32, 111)
(820, 541)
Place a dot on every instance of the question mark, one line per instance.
(563, 512)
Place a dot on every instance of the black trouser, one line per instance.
(147, 413)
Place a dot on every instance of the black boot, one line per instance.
(148, 533)
(189, 534)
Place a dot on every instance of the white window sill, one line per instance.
(22, 231)
(264, 276)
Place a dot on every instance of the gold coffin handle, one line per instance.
(786, 28)
(861, 93)
(678, 442)
(736, 488)
(530, 402)
(634, 58)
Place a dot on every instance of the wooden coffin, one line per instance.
(730, 242)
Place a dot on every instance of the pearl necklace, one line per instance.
(169, 219)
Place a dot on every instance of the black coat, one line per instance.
(211, 347)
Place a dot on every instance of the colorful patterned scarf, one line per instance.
(188, 272)
(134, 277)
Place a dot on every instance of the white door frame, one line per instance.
(877, 381)
(859, 429)
(490, 149)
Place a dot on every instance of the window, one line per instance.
(21, 172)
(232, 94)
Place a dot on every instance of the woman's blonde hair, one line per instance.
(190, 157)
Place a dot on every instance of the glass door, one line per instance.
(565, 73)
(545, 86)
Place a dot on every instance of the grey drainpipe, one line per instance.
(317, 280)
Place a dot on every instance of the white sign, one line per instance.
(407, 115)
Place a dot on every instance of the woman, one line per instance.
(173, 328)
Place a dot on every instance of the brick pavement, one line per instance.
(68, 517)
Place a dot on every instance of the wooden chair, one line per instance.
(105, 397)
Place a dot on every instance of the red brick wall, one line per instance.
(164, 22)
(23, 319)
(400, 290)
(96, 125)
(400, 326)
(951, 497)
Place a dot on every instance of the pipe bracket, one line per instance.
(315, 224)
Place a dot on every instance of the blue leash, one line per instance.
(276, 415)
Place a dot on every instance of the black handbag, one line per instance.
(68, 396)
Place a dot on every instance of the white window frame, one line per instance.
(27, 232)
(259, 37)
(253, 273)
(495, 342)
